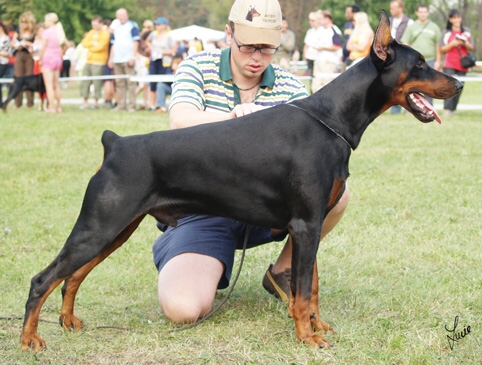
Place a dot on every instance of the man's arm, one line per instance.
(184, 115)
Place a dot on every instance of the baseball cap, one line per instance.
(257, 21)
(161, 20)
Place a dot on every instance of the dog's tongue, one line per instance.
(430, 107)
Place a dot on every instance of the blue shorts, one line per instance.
(107, 71)
(156, 68)
(212, 236)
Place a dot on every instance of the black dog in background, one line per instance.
(33, 83)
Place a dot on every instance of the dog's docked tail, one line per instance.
(108, 137)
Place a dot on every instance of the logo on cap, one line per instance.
(252, 13)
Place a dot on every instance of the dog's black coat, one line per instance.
(283, 167)
(20, 83)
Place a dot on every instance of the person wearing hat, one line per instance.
(122, 58)
(195, 258)
(161, 47)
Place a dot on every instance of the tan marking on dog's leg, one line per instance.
(318, 324)
(67, 318)
(300, 312)
(30, 338)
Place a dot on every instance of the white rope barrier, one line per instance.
(135, 78)
(153, 78)
(86, 78)
(170, 78)
(79, 78)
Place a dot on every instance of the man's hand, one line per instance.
(245, 109)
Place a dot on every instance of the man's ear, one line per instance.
(229, 34)
(380, 50)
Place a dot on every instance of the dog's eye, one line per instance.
(421, 64)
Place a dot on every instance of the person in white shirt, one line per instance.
(309, 49)
(399, 21)
(329, 47)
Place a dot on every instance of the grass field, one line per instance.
(402, 264)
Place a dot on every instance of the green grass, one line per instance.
(404, 261)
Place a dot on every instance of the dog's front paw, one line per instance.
(316, 341)
(319, 325)
(32, 341)
(71, 323)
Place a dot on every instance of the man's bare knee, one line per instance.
(183, 310)
(187, 285)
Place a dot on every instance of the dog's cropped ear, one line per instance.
(380, 49)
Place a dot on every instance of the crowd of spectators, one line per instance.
(121, 47)
(327, 50)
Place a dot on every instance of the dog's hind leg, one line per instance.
(67, 318)
(77, 258)
(30, 337)
(106, 220)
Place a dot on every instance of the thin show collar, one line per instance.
(322, 122)
(225, 73)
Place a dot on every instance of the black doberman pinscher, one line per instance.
(30, 82)
(283, 167)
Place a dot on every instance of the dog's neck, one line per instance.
(338, 134)
(362, 102)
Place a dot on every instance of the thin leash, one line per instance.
(210, 314)
(198, 322)
(14, 318)
(324, 123)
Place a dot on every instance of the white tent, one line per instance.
(195, 31)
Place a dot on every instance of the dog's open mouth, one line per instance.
(422, 109)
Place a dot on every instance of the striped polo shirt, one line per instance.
(205, 81)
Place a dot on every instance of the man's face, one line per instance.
(284, 25)
(349, 14)
(313, 22)
(96, 25)
(324, 21)
(247, 64)
(422, 14)
(320, 20)
(122, 15)
(395, 9)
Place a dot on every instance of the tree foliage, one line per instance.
(74, 15)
